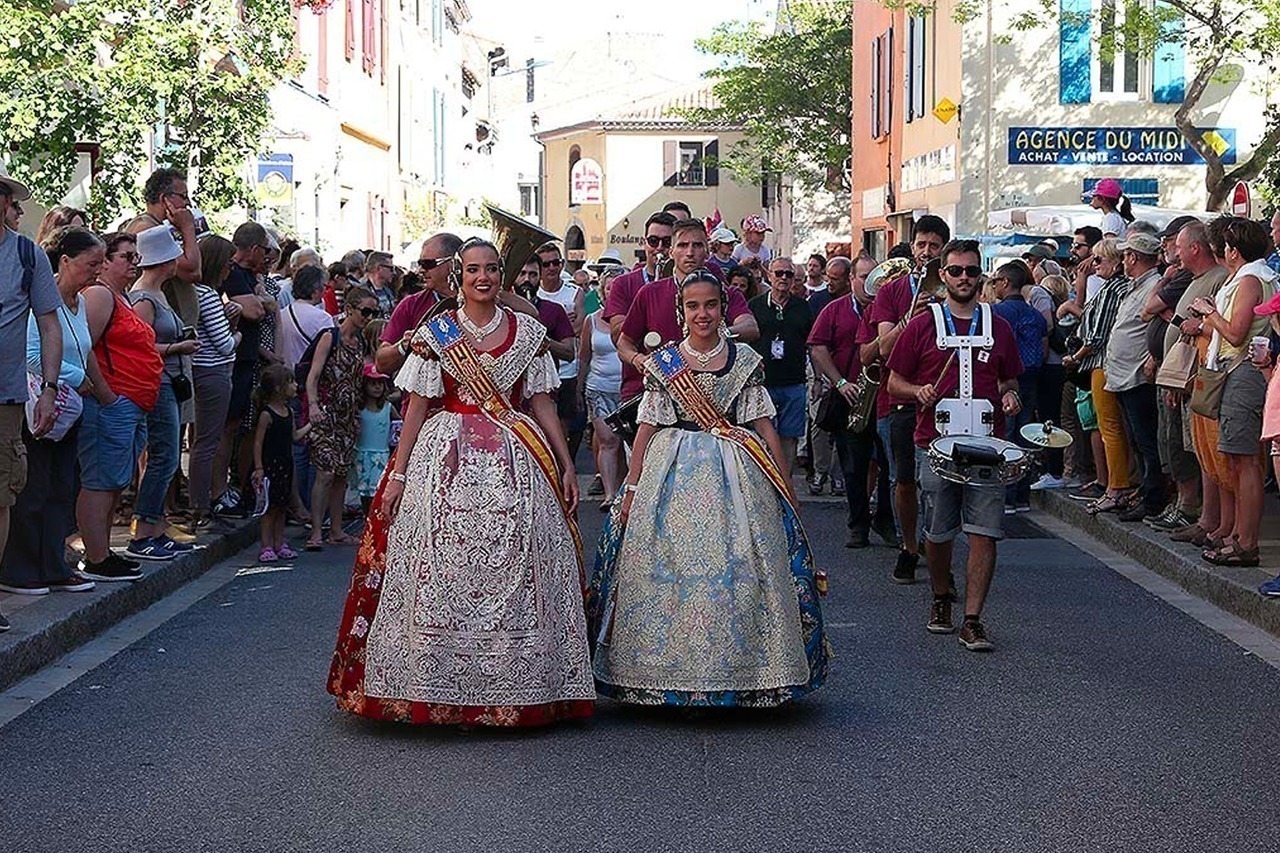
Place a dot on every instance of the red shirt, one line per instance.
(127, 354)
(917, 358)
(331, 301)
(654, 310)
(841, 329)
(891, 304)
(407, 315)
(623, 292)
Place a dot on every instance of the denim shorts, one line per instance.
(950, 508)
(111, 439)
(790, 401)
(897, 431)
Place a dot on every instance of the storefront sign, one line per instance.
(1115, 146)
(274, 184)
(929, 170)
(586, 183)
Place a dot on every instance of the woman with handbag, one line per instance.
(1229, 386)
(160, 254)
(44, 515)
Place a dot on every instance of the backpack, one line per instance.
(303, 368)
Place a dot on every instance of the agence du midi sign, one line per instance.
(1115, 146)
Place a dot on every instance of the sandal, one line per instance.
(1233, 555)
(287, 553)
(313, 546)
(267, 555)
(1106, 503)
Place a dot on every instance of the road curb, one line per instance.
(72, 619)
(1233, 590)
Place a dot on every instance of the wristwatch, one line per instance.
(46, 385)
(841, 383)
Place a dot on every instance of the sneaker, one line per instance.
(4, 624)
(226, 508)
(1010, 509)
(175, 546)
(151, 549)
(1048, 481)
(884, 528)
(24, 589)
(1090, 492)
(596, 487)
(940, 617)
(816, 484)
(857, 539)
(1137, 512)
(268, 555)
(1270, 589)
(75, 582)
(974, 637)
(905, 570)
(837, 490)
(1173, 520)
(286, 553)
(113, 568)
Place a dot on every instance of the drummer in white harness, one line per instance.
(960, 363)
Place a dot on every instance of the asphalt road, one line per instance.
(1106, 720)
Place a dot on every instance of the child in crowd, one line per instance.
(373, 447)
(273, 456)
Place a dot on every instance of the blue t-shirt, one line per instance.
(1029, 329)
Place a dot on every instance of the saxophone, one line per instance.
(862, 413)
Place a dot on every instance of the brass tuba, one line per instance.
(516, 240)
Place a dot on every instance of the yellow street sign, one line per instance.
(945, 110)
(1215, 141)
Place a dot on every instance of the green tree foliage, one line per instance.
(113, 72)
(1216, 34)
(790, 90)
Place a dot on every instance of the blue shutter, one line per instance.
(1075, 85)
(1168, 80)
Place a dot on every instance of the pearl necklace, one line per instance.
(704, 358)
(480, 332)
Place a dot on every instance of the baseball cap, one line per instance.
(1108, 188)
(1039, 250)
(1143, 244)
(723, 235)
(1172, 229)
(370, 371)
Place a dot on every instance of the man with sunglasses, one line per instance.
(166, 197)
(894, 305)
(955, 339)
(382, 272)
(434, 265)
(784, 321)
(569, 296)
(654, 309)
(560, 336)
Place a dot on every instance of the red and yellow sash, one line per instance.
(683, 384)
(465, 363)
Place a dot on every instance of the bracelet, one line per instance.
(629, 487)
(398, 477)
(841, 383)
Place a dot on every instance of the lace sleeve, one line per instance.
(421, 376)
(541, 377)
(754, 401)
(656, 406)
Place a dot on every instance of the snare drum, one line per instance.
(978, 460)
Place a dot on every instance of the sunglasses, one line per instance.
(956, 270)
(428, 264)
(131, 257)
(554, 262)
(1079, 245)
(368, 313)
(783, 274)
(658, 242)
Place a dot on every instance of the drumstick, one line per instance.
(945, 368)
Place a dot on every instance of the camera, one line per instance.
(188, 333)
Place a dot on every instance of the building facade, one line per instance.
(603, 177)
(962, 120)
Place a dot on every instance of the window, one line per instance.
(915, 66)
(881, 83)
(1118, 72)
(875, 242)
(691, 164)
(529, 200)
(575, 154)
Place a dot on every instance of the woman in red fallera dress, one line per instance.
(465, 606)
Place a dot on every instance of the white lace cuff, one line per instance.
(542, 376)
(421, 376)
(754, 403)
(656, 408)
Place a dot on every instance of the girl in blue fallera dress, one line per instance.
(704, 591)
(373, 447)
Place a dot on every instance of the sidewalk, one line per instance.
(48, 626)
(1235, 590)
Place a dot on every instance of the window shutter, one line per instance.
(876, 48)
(349, 32)
(322, 52)
(917, 95)
(910, 69)
(670, 165)
(886, 82)
(367, 47)
(1075, 44)
(711, 164)
(1168, 78)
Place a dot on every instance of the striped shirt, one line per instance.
(1099, 316)
(217, 345)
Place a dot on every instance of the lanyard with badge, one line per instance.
(975, 330)
(778, 348)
